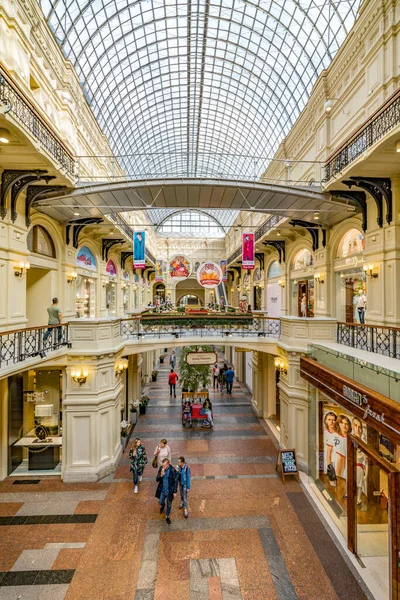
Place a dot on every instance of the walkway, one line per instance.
(248, 536)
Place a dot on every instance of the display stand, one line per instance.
(287, 462)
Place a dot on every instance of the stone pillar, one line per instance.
(261, 376)
(3, 428)
(239, 365)
(91, 420)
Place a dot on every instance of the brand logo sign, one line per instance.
(362, 401)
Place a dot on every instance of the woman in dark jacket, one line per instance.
(207, 411)
(138, 458)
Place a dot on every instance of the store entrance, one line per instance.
(257, 293)
(111, 299)
(38, 285)
(305, 298)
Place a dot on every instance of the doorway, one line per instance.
(305, 289)
(257, 293)
(38, 285)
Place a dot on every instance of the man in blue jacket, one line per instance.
(229, 376)
(167, 487)
(184, 483)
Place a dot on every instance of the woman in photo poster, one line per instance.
(330, 432)
(138, 247)
(340, 446)
(361, 462)
(248, 248)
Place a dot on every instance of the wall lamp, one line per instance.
(320, 278)
(282, 283)
(4, 136)
(280, 365)
(121, 367)
(22, 268)
(369, 271)
(71, 277)
(79, 376)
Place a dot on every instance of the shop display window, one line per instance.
(85, 297)
(351, 243)
(111, 299)
(303, 259)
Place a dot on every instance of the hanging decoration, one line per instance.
(224, 268)
(180, 267)
(247, 250)
(139, 249)
(160, 270)
(209, 275)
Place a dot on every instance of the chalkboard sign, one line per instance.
(287, 462)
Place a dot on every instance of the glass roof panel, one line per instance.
(198, 89)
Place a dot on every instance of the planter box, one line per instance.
(143, 410)
(154, 378)
(133, 418)
(161, 360)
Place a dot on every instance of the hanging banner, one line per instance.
(224, 268)
(139, 241)
(180, 267)
(247, 250)
(209, 275)
(160, 270)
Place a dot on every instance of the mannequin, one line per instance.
(361, 306)
(303, 306)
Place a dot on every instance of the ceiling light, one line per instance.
(278, 233)
(316, 216)
(76, 214)
(398, 146)
(328, 105)
(4, 136)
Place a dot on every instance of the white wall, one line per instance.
(249, 370)
(274, 300)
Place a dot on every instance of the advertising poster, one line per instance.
(247, 250)
(224, 268)
(180, 267)
(160, 269)
(209, 275)
(111, 269)
(139, 241)
(274, 291)
(85, 259)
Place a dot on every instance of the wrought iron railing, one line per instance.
(220, 327)
(379, 124)
(372, 338)
(23, 112)
(265, 227)
(20, 344)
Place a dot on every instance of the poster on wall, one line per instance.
(224, 268)
(209, 275)
(111, 269)
(85, 259)
(125, 275)
(160, 270)
(139, 249)
(180, 267)
(247, 250)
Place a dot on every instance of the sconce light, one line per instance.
(22, 268)
(121, 367)
(280, 365)
(123, 286)
(368, 271)
(282, 283)
(328, 104)
(79, 376)
(4, 136)
(318, 277)
(104, 284)
(71, 277)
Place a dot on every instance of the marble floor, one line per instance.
(248, 535)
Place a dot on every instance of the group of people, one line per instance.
(168, 478)
(223, 378)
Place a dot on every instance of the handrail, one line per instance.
(389, 328)
(30, 328)
(379, 339)
(19, 344)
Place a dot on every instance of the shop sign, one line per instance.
(180, 267)
(287, 463)
(201, 358)
(209, 275)
(248, 261)
(242, 350)
(361, 400)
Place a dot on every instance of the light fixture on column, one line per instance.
(79, 376)
(22, 268)
(120, 367)
(281, 282)
(316, 216)
(369, 271)
(280, 365)
(398, 146)
(318, 277)
(4, 136)
(71, 277)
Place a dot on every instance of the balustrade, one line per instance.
(20, 344)
(372, 338)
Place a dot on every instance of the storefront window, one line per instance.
(85, 297)
(302, 259)
(351, 243)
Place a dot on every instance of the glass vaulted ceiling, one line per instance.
(198, 87)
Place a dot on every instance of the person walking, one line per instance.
(138, 458)
(184, 483)
(55, 318)
(361, 307)
(172, 359)
(167, 487)
(229, 377)
(172, 379)
(221, 378)
(162, 451)
(215, 375)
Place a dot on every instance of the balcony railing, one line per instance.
(20, 344)
(24, 112)
(386, 118)
(218, 326)
(372, 338)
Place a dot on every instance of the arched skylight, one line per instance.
(205, 88)
(191, 223)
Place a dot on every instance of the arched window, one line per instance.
(274, 270)
(351, 243)
(40, 242)
(302, 259)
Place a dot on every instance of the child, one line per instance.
(184, 483)
(187, 412)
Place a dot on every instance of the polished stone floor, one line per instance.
(248, 536)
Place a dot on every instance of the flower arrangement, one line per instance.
(144, 401)
(134, 405)
(124, 428)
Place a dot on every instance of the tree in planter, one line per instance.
(192, 376)
(154, 374)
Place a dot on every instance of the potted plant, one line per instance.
(154, 374)
(162, 356)
(143, 404)
(125, 425)
(134, 407)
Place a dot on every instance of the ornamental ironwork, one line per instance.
(372, 338)
(28, 117)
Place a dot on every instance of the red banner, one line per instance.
(247, 250)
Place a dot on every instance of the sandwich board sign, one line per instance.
(286, 461)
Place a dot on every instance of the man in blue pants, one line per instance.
(167, 487)
(229, 376)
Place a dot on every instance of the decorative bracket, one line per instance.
(10, 178)
(380, 188)
(77, 227)
(260, 257)
(107, 244)
(237, 269)
(313, 229)
(280, 246)
(38, 192)
(23, 183)
(124, 258)
(357, 199)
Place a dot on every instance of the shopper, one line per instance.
(361, 307)
(172, 379)
(187, 413)
(207, 412)
(138, 459)
(229, 377)
(184, 483)
(167, 487)
(162, 451)
(215, 375)
(221, 379)
(172, 359)
(55, 318)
